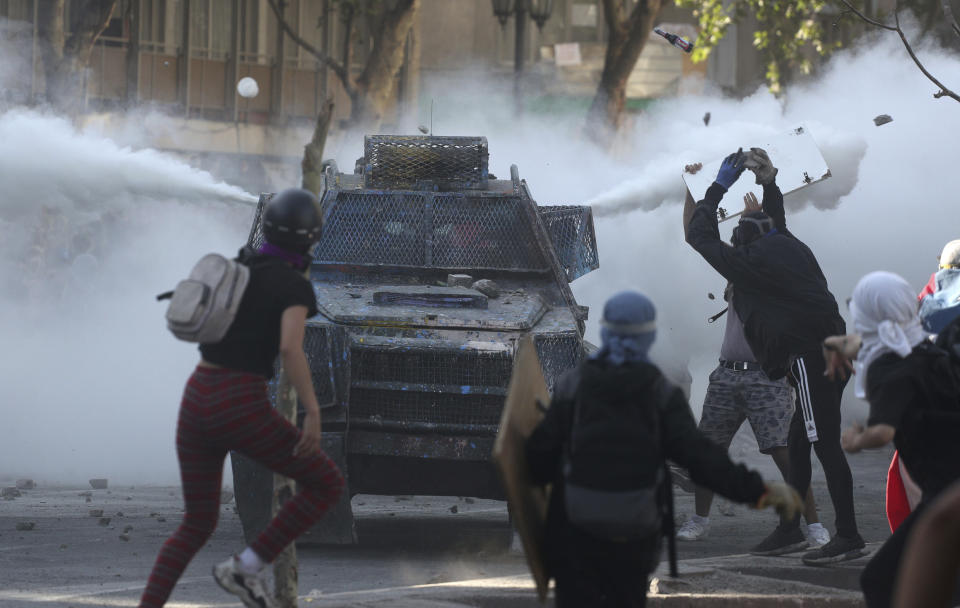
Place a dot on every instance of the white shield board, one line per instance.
(795, 154)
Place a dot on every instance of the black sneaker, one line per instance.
(783, 539)
(839, 549)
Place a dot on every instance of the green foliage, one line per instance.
(789, 33)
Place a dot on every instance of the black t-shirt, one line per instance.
(918, 395)
(253, 340)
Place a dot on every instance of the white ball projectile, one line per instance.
(247, 87)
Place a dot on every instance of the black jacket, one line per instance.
(779, 291)
(681, 442)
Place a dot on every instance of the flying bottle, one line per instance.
(675, 40)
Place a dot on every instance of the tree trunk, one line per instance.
(312, 164)
(285, 575)
(376, 86)
(50, 40)
(63, 59)
(627, 37)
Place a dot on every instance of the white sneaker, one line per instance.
(817, 535)
(248, 587)
(694, 529)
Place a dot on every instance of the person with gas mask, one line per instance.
(739, 391)
(781, 296)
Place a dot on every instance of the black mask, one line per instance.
(750, 228)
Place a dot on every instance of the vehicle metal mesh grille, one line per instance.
(384, 228)
(484, 233)
(377, 405)
(558, 353)
(316, 346)
(427, 230)
(438, 367)
(571, 230)
(414, 161)
(256, 230)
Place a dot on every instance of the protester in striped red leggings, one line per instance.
(225, 407)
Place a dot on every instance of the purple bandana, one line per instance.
(298, 261)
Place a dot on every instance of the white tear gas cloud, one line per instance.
(93, 380)
(890, 204)
(82, 170)
(92, 232)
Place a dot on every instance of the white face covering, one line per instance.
(884, 311)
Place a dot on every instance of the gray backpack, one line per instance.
(203, 306)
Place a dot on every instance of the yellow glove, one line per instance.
(781, 497)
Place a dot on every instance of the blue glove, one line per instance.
(731, 169)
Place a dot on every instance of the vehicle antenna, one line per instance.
(431, 116)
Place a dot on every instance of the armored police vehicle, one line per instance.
(428, 272)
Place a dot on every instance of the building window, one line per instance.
(211, 22)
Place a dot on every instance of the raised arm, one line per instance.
(759, 162)
(703, 234)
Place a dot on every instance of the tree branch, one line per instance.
(944, 91)
(348, 14)
(951, 19)
(335, 67)
(872, 22)
(95, 15)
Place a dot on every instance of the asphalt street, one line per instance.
(96, 547)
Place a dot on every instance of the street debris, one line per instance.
(25, 526)
(119, 513)
(98, 484)
(711, 296)
(226, 496)
(26, 484)
(104, 521)
(882, 119)
(96, 512)
(459, 280)
(161, 519)
(487, 288)
(124, 538)
(127, 529)
(706, 119)
(454, 509)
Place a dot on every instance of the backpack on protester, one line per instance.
(204, 305)
(608, 505)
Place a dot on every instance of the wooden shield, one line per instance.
(528, 503)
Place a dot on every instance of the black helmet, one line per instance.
(293, 220)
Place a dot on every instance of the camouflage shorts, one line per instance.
(733, 397)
